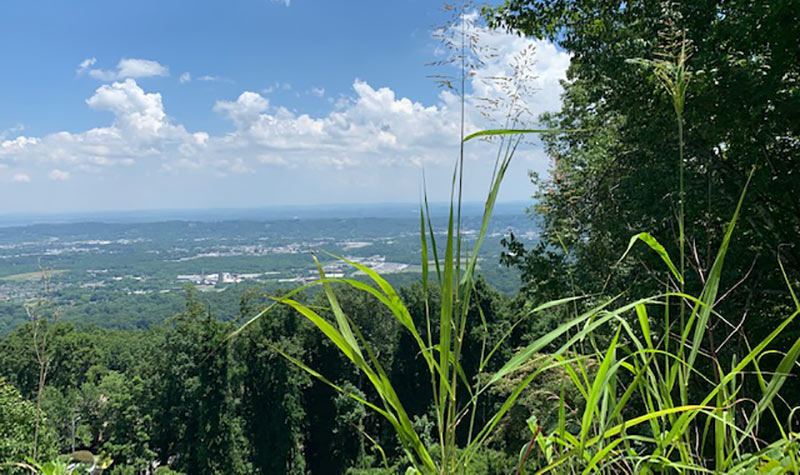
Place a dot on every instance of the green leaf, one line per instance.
(656, 246)
(494, 132)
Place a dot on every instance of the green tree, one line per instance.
(271, 407)
(17, 417)
(16, 425)
(324, 408)
(193, 411)
(621, 176)
(67, 418)
(119, 424)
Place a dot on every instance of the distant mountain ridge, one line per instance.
(349, 210)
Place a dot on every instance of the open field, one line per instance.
(30, 276)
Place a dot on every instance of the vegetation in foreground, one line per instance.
(649, 363)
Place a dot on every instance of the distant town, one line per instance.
(81, 265)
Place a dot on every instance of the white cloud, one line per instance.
(134, 110)
(102, 75)
(140, 132)
(18, 143)
(85, 65)
(14, 129)
(245, 110)
(21, 178)
(287, 3)
(210, 78)
(546, 67)
(140, 68)
(317, 91)
(59, 175)
(371, 128)
(185, 77)
(537, 65)
(277, 86)
(370, 132)
(268, 159)
(126, 68)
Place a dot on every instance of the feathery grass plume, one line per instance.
(637, 416)
(672, 72)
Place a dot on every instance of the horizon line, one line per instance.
(16, 214)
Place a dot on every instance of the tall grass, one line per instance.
(639, 415)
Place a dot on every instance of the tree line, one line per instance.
(185, 396)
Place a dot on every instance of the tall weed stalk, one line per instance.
(638, 416)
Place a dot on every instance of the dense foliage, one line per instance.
(620, 176)
(185, 396)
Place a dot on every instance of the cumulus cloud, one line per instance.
(317, 91)
(286, 3)
(126, 68)
(18, 143)
(245, 110)
(368, 131)
(135, 111)
(185, 77)
(21, 178)
(140, 131)
(373, 127)
(59, 175)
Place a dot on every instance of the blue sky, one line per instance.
(248, 103)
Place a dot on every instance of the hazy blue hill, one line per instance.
(347, 210)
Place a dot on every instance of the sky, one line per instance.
(248, 103)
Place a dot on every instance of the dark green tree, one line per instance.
(272, 388)
(621, 176)
(193, 416)
(324, 412)
(16, 429)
